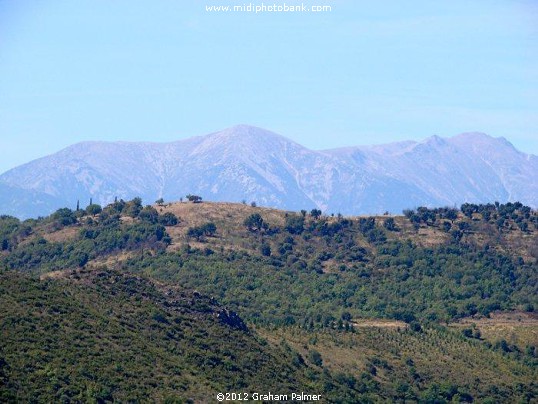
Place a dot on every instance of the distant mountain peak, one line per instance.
(480, 139)
(247, 131)
(434, 140)
(245, 162)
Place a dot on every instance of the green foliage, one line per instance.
(97, 336)
(390, 224)
(295, 224)
(315, 358)
(64, 217)
(168, 219)
(149, 214)
(312, 274)
(199, 232)
(133, 207)
(285, 278)
(194, 198)
(254, 222)
(10, 228)
(265, 250)
(93, 209)
(101, 238)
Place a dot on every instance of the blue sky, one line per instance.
(366, 72)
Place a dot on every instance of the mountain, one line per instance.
(253, 164)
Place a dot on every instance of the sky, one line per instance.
(366, 72)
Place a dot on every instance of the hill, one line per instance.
(105, 336)
(381, 308)
(253, 164)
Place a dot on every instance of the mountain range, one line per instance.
(253, 164)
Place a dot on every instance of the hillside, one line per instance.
(103, 336)
(434, 305)
(253, 164)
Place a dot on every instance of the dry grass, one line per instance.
(228, 217)
(62, 235)
(337, 355)
(437, 356)
(381, 323)
(110, 261)
(518, 328)
(55, 274)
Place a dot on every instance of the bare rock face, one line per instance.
(253, 164)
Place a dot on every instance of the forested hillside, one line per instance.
(178, 301)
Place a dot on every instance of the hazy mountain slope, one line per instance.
(24, 203)
(243, 163)
(516, 171)
(431, 172)
(252, 164)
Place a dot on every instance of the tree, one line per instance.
(254, 222)
(194, 198)
(149, 214)
(93, 209)
(159, 201)
(315, 358)
(168, 219)
(451, 214)
(467, 332)
(64, 216)
(468, 209)
(195, 232)
(315, 213)
(295, 224)
(209, 229)
(366, 224)
(265, 249)
(198, 232)
(133, 207)
(116, 207)
(390, 224)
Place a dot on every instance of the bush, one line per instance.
(149, 214)
(390, 224)
(168, 219)
(198, 232)
(315, 358)
(93, 209)
(294, 224)
(65, 216)
(265, 249)
(194, 198)
(254, 222)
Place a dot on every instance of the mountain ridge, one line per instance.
(253, 164)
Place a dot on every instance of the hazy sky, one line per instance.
(366, 72)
